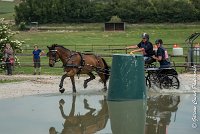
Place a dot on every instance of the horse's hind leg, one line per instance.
(89, 79)
(102, 76)
(73, 84)
(86, 106)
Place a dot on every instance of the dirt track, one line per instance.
(42, 84)
(45, 84)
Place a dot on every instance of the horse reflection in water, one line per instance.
(159, 113)
(88, 123)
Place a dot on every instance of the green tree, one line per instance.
(59, 11)
(196, 4)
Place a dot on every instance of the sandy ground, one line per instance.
(43, 84)
(46, 84)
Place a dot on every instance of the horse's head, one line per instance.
(53, 55)
(57, 52)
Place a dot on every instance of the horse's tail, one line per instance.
(106, 70)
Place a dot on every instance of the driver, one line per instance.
(146, 47)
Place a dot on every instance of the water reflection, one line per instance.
(151, 116)
(141, 116)
(127, 117)
(159, 111)
(88, 123)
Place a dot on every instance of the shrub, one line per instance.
(6, 37)
(22, 26)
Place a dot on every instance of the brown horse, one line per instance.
(78, 63)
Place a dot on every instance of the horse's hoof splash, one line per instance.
(62, 90)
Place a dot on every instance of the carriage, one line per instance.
(164, 78)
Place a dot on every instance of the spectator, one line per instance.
(8, 58)
(36, 59)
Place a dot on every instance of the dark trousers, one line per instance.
(37, 63)
(8, 67)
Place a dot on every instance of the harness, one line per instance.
(79, 67)
(81, 63)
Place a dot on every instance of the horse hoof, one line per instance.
(62, 90)
(62, 102)
(104, 89)
(84, 85)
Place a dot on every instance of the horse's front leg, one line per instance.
(73, 84)
(62, 90)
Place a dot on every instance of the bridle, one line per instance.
(53, 56)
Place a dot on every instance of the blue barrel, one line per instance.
(127, 80)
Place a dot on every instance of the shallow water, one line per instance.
(68, 114)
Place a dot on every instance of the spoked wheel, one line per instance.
(148, 82)
(169, 81)
(153, 78)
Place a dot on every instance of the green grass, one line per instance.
(7, 16)
(97, 40)
(6, 7)
(7, 10)
(170, 34)
(45, 70)
(9, 81)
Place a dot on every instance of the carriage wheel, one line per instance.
(169, 81)
(153, 77)
(148, 82)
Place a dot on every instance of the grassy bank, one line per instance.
(91, 37)
(93, 34)
(7, 10)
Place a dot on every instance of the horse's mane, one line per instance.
(56, 45)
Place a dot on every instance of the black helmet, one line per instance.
(159, 41)
(145, 35)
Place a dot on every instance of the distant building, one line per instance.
(114, 26)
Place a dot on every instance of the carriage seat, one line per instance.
(166, 71)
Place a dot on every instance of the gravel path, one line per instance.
(46, 84)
